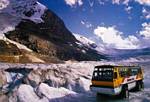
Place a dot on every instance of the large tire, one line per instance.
(125, 93)
(140, 86)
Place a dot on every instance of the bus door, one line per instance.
(116, 78)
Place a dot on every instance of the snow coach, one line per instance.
(117, 80)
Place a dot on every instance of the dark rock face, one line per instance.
(9, 52)
(8, 49)
(51, 38)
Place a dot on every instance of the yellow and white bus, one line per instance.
(117, 80)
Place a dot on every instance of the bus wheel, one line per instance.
(142, 85)
(139, 86)
(126, 93)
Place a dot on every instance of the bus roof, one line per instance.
(111, 66)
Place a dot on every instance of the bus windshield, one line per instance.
(103, 74)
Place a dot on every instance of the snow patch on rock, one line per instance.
(20, 46)
(36, 17)
(27, 94)
(52, 93)
(7, 23)
(13, 11)
(24, 9)
(83, 41)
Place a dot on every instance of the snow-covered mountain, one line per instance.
(13, 11)
(84, 41)
(39, 34)
(130, 55)
(24, 9)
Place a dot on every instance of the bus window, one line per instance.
(95, 75)
(123, 72)
(95, 69)
(134, 71)
(103, 74)
(115, 75)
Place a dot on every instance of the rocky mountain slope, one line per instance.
(32, 25)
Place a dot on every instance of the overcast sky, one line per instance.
(121, 24)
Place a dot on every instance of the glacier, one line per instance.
(65, 82)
